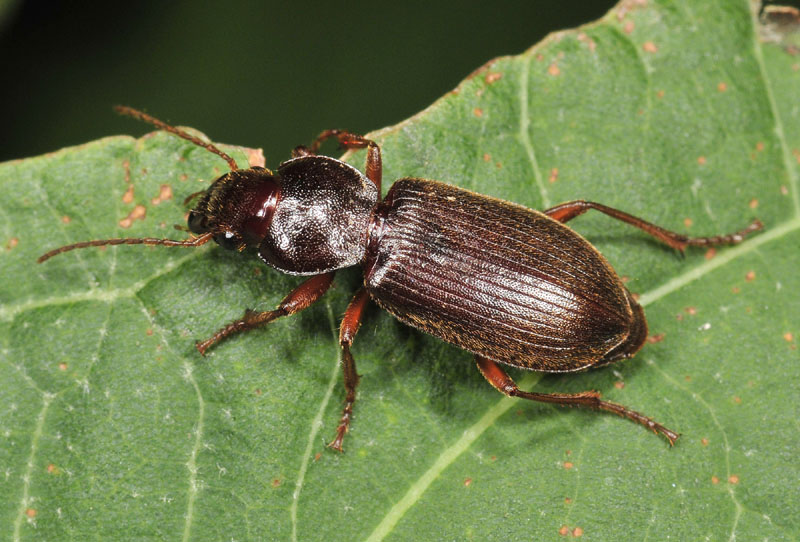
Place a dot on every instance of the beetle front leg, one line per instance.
(569, 210)
(350, 324)
(298, 299)
(498, 378)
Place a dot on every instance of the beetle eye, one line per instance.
(197, 222)
(228, 240)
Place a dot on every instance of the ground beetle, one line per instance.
(511, 285)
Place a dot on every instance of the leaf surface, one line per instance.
(684, 113)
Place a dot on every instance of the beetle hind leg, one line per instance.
(498, 378)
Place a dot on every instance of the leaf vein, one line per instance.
(191, 464)
(726, 446)
(788, 163)
(26, 478)
(524, 130)
(316, 423)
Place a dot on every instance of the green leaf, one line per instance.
(685, 113)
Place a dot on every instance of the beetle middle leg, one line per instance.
(350, 324)
(569, 210)
(298, 299)
(498, 378)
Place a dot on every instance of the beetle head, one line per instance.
(237, 208)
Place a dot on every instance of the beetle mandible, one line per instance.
(512, 285)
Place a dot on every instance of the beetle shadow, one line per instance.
(398, 352)
(458, 391)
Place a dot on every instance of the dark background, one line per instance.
(261, 74)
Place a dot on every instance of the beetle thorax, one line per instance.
(321, 217)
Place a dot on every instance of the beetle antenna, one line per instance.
(140, 115)
(192, 197)
(193, 242)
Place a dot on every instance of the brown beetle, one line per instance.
(511, 285)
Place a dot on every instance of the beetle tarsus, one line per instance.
(569, 210)
(251, 320)
(347, 331)
(342, 430)
(632, 415)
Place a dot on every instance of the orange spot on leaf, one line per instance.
(138, 213)
(649, 47)
(127, 197)
(164, 193)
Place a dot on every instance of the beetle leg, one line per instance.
(498, 378)
(298, 299)
(348, 140)
(350, 324)
(569, 210)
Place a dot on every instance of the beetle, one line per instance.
(512, 285)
